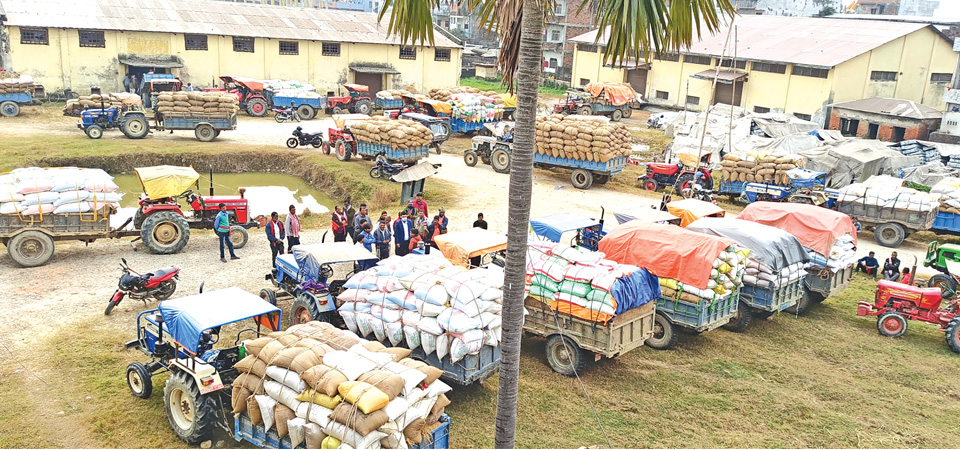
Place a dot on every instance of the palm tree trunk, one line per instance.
(521, 187)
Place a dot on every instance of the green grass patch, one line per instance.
(495, 85)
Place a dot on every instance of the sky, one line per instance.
(948, 9)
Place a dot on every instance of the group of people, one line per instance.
(277, 231)
(891, 268)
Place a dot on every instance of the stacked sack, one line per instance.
(948, 191)
(398, 134)
(758, 169)
(761, 275)
(60, 190)
(12, 84)
(476, 108)
(888, 192)
(444, 94)
(192, 104)
(124, 101)
(586, 138)
(392, 94)
(425, 301)
(326, 388)
(581, 282)
(280, 85)
(842, 254)
(726, 277)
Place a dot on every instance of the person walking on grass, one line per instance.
(338, 223)
(383, 237)
(275, 235)
(480, 223)
(222, 228)
(292, 225)
(401, 234)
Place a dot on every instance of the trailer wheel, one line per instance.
(303, 310)
(616, 115)
(953, 335)
(500, 160)
(205, 132)
(192, 416)
(803, 303)
(470, 158)
(136, 127)
(269, 295)
(740, 319)
(257, 107)
(627, 113)
(30, 248)
(306, 112)
(944, 282)
(239, 236)
(343, 150)
(581, 179)
(584, 110)
(94, 131)
(165, 232)
(889, 234)
(565, 356)
(891, 324)
(601, 179)
(9, 109)
(139, 380)
(664, 335)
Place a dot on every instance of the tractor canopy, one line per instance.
(552, 227)
(309, 258)
(186, 318)
(768, 245)
(646, 215)
(509, 100)
(357, 87)
(436, 105)
(249, 83)
(166, 181)
(815, 227)
(459, 247)
(691, 209)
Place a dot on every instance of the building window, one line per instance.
(941, 77)
(289, 48)
(555, 36)
(675, 57)
(728, 63)
(663, 95)
(691, 100)
(330, 49)
(584, 81)
(805, 71)
(767, 67)
(587, 48)
(441, 54)
(558, 9)
(761, 109)
(408, 53)
(849, 127)
(697, 59)
(34, 36)
(553, 63)
(803, 116)
(899, 133)
(195, 42)
(92, 39)
(243, 44)
(878, 75)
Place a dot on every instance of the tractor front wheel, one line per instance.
(238, 236)
(269, 295)
(139, 380)
(891, 324)
(953, 334)
(192, 416)
(303, 310)
(470, 158)
(94, 131)
(584, 110)
(651, 184)
(165, 232)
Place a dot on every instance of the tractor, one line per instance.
(440, 126)
(357, 101)
(680, 176)
(250, 92)
(895, 303)
(153, 84)
(133, 124)
(946, 260)
(572, 104)
(165, 227)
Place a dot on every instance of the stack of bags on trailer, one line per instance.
(398, 134)
(326, 388)
(392, 94)
(476, 108)
(761, 275)
(12, 84)
(123, 101)
(584, 283)
(193, 104)
(585, 138)
(60, 190)
(842, 254)
(888, 192)
(279, 85)
(948, 191)
(445, 93)
(425, 301)
(756, 168)
(726, 277)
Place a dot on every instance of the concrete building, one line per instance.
(925, 8)
(84, 43)
(567, 22)
(886, 119)
(795, 65)
(799, 8)
(877, 7)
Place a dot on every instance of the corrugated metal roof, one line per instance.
(206, 17)
(891, 107)
(809, 41)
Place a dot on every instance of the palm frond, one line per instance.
(410, 20)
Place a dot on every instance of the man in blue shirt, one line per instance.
(868, 265)
(401, 234)
(221, 226)
(366, 237)
(383, 237)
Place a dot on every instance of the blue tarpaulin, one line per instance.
(309, 258)
(635, 290)
(552, 227)
(185, 318)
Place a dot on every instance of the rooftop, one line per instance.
(898, 18)
(809, 41)
(205, 17)
(891, 107)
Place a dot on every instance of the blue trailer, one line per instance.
(205, 127)
(462, 126)
(388, 103)
(946, 223)
(706, 315)
(10, 103)
(407, 155)
(732, 188)
(245, 430)
(306, 107)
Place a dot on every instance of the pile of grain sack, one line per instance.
(425, 301)
(211, 104)
(60, 190)
(589, 138)
(761, 275)
(476, 108)
(842, 254)
(888, 192)
(948, 192)
(445, 94)
(577, 281)
(399, 134)
(326, 388)
(740, 167)
(392, 94)
(124, 101)
(726, 277)
(11, 83)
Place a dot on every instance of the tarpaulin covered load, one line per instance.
(769, 245)
(665, 250)
(309, 258)
(166, 181)
(185, 318)
(856, 160)
(459, 247)
(816, 228)
(438, 106)
(616, 93)
(690, 209)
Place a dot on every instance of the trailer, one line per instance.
(306, 107)
(732, 188)
(404, 155)
(245, 430)
(946, 223)
(205, 127)
(10, 103)
(30, 239)
(389, 103)
(459, 125)
(674, 314)
(890, 226)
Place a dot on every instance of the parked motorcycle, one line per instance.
(282, 115)
(159, 284)
(700, 193)
(301, 139)
(383, 169)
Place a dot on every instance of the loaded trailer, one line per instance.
(30, 239)
(10, 103)
(890, 226)
(245, 430)
(206, 128)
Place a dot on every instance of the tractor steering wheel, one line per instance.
(326, 272)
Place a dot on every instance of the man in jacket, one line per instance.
(349, 213)
(401, 234)
(443, 221)
(421, 204)
(366, 237)
(339, 224)
(383, 237)
(433, 230)
(414, 241)
(891, 268)
(292, 225)
(222, 228)
(275, 235)
(359, 219)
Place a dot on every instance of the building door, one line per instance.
(848, 127)
(373, 80)
(898, 133)
(872, 130)
(637, 78)
(728, 93)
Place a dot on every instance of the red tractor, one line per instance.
(358, 101)
(165, 227)
(681, 177)
(250, 93)
(895, 303)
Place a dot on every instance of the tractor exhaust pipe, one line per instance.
(211, 180)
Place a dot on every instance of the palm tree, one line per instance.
(634, 28)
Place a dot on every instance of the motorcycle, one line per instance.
(159, 285)
(300, 139)
(383, 169)
(282, 115)
(700, 193)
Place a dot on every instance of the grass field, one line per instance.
(490, 85)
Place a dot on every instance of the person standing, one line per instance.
(275, 235)
(421, 204)
(292, 224)
(366, 237)
(222, 228)
(339, 224)
(411, 211)
(189, 87)
(349, 213)
(891, 268)
(401, 234)
(383, 237)
(443, 220)
(359, 219)
(480, 223)
(127, 83)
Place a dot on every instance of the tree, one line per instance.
(635, 28)
(827, 11)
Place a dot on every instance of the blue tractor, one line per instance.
(806, 186)
(589, 231)
(179, 337)
(133, 124)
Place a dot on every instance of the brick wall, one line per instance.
(576, 24)
(917, 130)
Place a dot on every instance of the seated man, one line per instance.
(891, 268)
(868, 265)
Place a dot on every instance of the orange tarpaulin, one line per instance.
(816, 228)
(459, 247)
(616, 93)
(357, 87)
(251, 83)
(689, 210)
(438, 106)
(667, 251)
(564, 307)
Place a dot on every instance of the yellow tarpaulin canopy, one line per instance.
(689, 210)
(459, 247)
(509, 101)
(166, 181)
(440, 107)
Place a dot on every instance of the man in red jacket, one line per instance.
(420, 204)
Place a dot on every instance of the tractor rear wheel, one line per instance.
(581, 179)
(363, 107)
(889, 234)
(741, 318)
(500, 160)
(584, 110)
(343, 150)
(944, 282)
(239, 236)
(891, 324)
(337, 110)
(139, 380)
(269, 295)
(306, 112)
(205, 132)
(9, 109)
(664, 335)
(470, 158)
(30, 248)
(303, 310)
(257, 107)
(94, 131)
(565, 356)
(165, 232)
(192, 416)
(136, 127)
(953, 334)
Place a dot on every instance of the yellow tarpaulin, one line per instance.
(509, 101)
(166, 181)
(459, 247)
(438, 106)
(689, 210)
